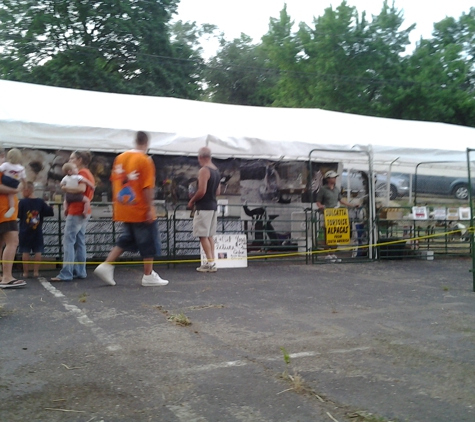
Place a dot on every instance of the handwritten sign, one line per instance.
(440, 213)
(337, 226)
(230, 251)
(452, 213)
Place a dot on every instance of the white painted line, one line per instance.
(212, 366)
(236, 363)
(295, 356)
(355, 349)
(303, 354)
(81, 316)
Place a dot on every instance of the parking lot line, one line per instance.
(80, 316)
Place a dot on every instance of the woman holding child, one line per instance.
(74, 240)
(9, 237)
(8, 233)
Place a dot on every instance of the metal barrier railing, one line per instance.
(260, 226)
(402, 236)
(101, 232)
(290, 232)
(355, 251)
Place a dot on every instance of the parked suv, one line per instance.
(398, 186)
(442, 185)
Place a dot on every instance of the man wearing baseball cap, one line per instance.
(329, 196)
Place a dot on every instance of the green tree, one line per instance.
(333, 49)
(186, 36)
(385, 43)
(237, 74)
(341, 63)
(186, 39)
(282, 47)
(106, 45)
(440, 76)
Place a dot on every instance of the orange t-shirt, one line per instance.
(77, 208)
(132, 172)
(4, 208)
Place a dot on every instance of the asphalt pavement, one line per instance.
(379, 341)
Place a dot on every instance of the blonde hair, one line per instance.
(68, 167)
(14, 156)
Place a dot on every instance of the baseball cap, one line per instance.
(331, 173)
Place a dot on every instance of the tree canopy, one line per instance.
(105, 45)
(238, 74)
(344, 61)
(347, 62)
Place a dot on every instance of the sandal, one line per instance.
(56, 279)
(13, 284)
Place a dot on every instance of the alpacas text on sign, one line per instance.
(337, 226)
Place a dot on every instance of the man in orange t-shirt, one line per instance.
(133, 183)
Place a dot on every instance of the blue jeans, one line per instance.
(74, 248)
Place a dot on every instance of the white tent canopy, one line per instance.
(38, 116)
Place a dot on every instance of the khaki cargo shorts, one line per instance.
(204, 223)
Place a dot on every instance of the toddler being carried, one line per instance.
(12, 174)
(72, 180)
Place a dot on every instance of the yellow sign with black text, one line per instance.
(337, 226)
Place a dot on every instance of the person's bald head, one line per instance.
(204, 152)
(204, 156)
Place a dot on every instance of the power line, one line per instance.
(202, 65)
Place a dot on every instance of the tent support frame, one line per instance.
(470, 198)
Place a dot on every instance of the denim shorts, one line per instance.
(140, 237)
(10, 181)
(28, 246)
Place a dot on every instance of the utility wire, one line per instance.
(225, 67)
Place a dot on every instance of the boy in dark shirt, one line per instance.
(31, 212)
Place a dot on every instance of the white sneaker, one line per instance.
(153, 280)
(10, 212)
(207, 268)
(105, 272)
(336, 259)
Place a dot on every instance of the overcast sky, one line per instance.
(252, 16)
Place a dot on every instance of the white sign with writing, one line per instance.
(420, 213)
(230, 251)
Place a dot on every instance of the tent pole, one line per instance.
(472, 243)
(388, 181)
